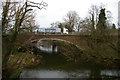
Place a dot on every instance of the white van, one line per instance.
(65, 31)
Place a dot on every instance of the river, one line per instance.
(44, 73)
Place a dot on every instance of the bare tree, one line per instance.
(78, 25)
(28, 25)
(71, 20)
(13, 17)
(15, 13)
(94, 14)
(86, 25)
(5, 15)
(55, 24)
(25, 9)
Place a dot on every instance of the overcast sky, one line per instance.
(57, 9)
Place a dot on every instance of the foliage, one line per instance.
(60, 26)
(15, 18)
(101, 26)
(70, 51)
(17, 62)
(19, 16)
(102, 44)
(113, 26)
(86, 25)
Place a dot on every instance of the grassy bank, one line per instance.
(102, 54)
(17, 62)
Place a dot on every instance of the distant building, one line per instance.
(119, 14)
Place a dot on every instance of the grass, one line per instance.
(17, 62)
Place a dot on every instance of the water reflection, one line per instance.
(47, 46)
(42, 74)
(110, 73)
(66, 74)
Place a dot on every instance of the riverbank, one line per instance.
(70, 57)
(17, 62)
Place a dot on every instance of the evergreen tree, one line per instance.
(113, 26)
(101, 26)
(60, 26)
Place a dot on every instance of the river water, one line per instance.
(47, 46)
(47, 70)
(44, 73)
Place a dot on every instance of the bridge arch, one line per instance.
(79, 41)
(57, 39)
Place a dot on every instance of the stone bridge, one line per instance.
(78, 40)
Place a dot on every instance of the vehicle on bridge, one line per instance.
(52, 31)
